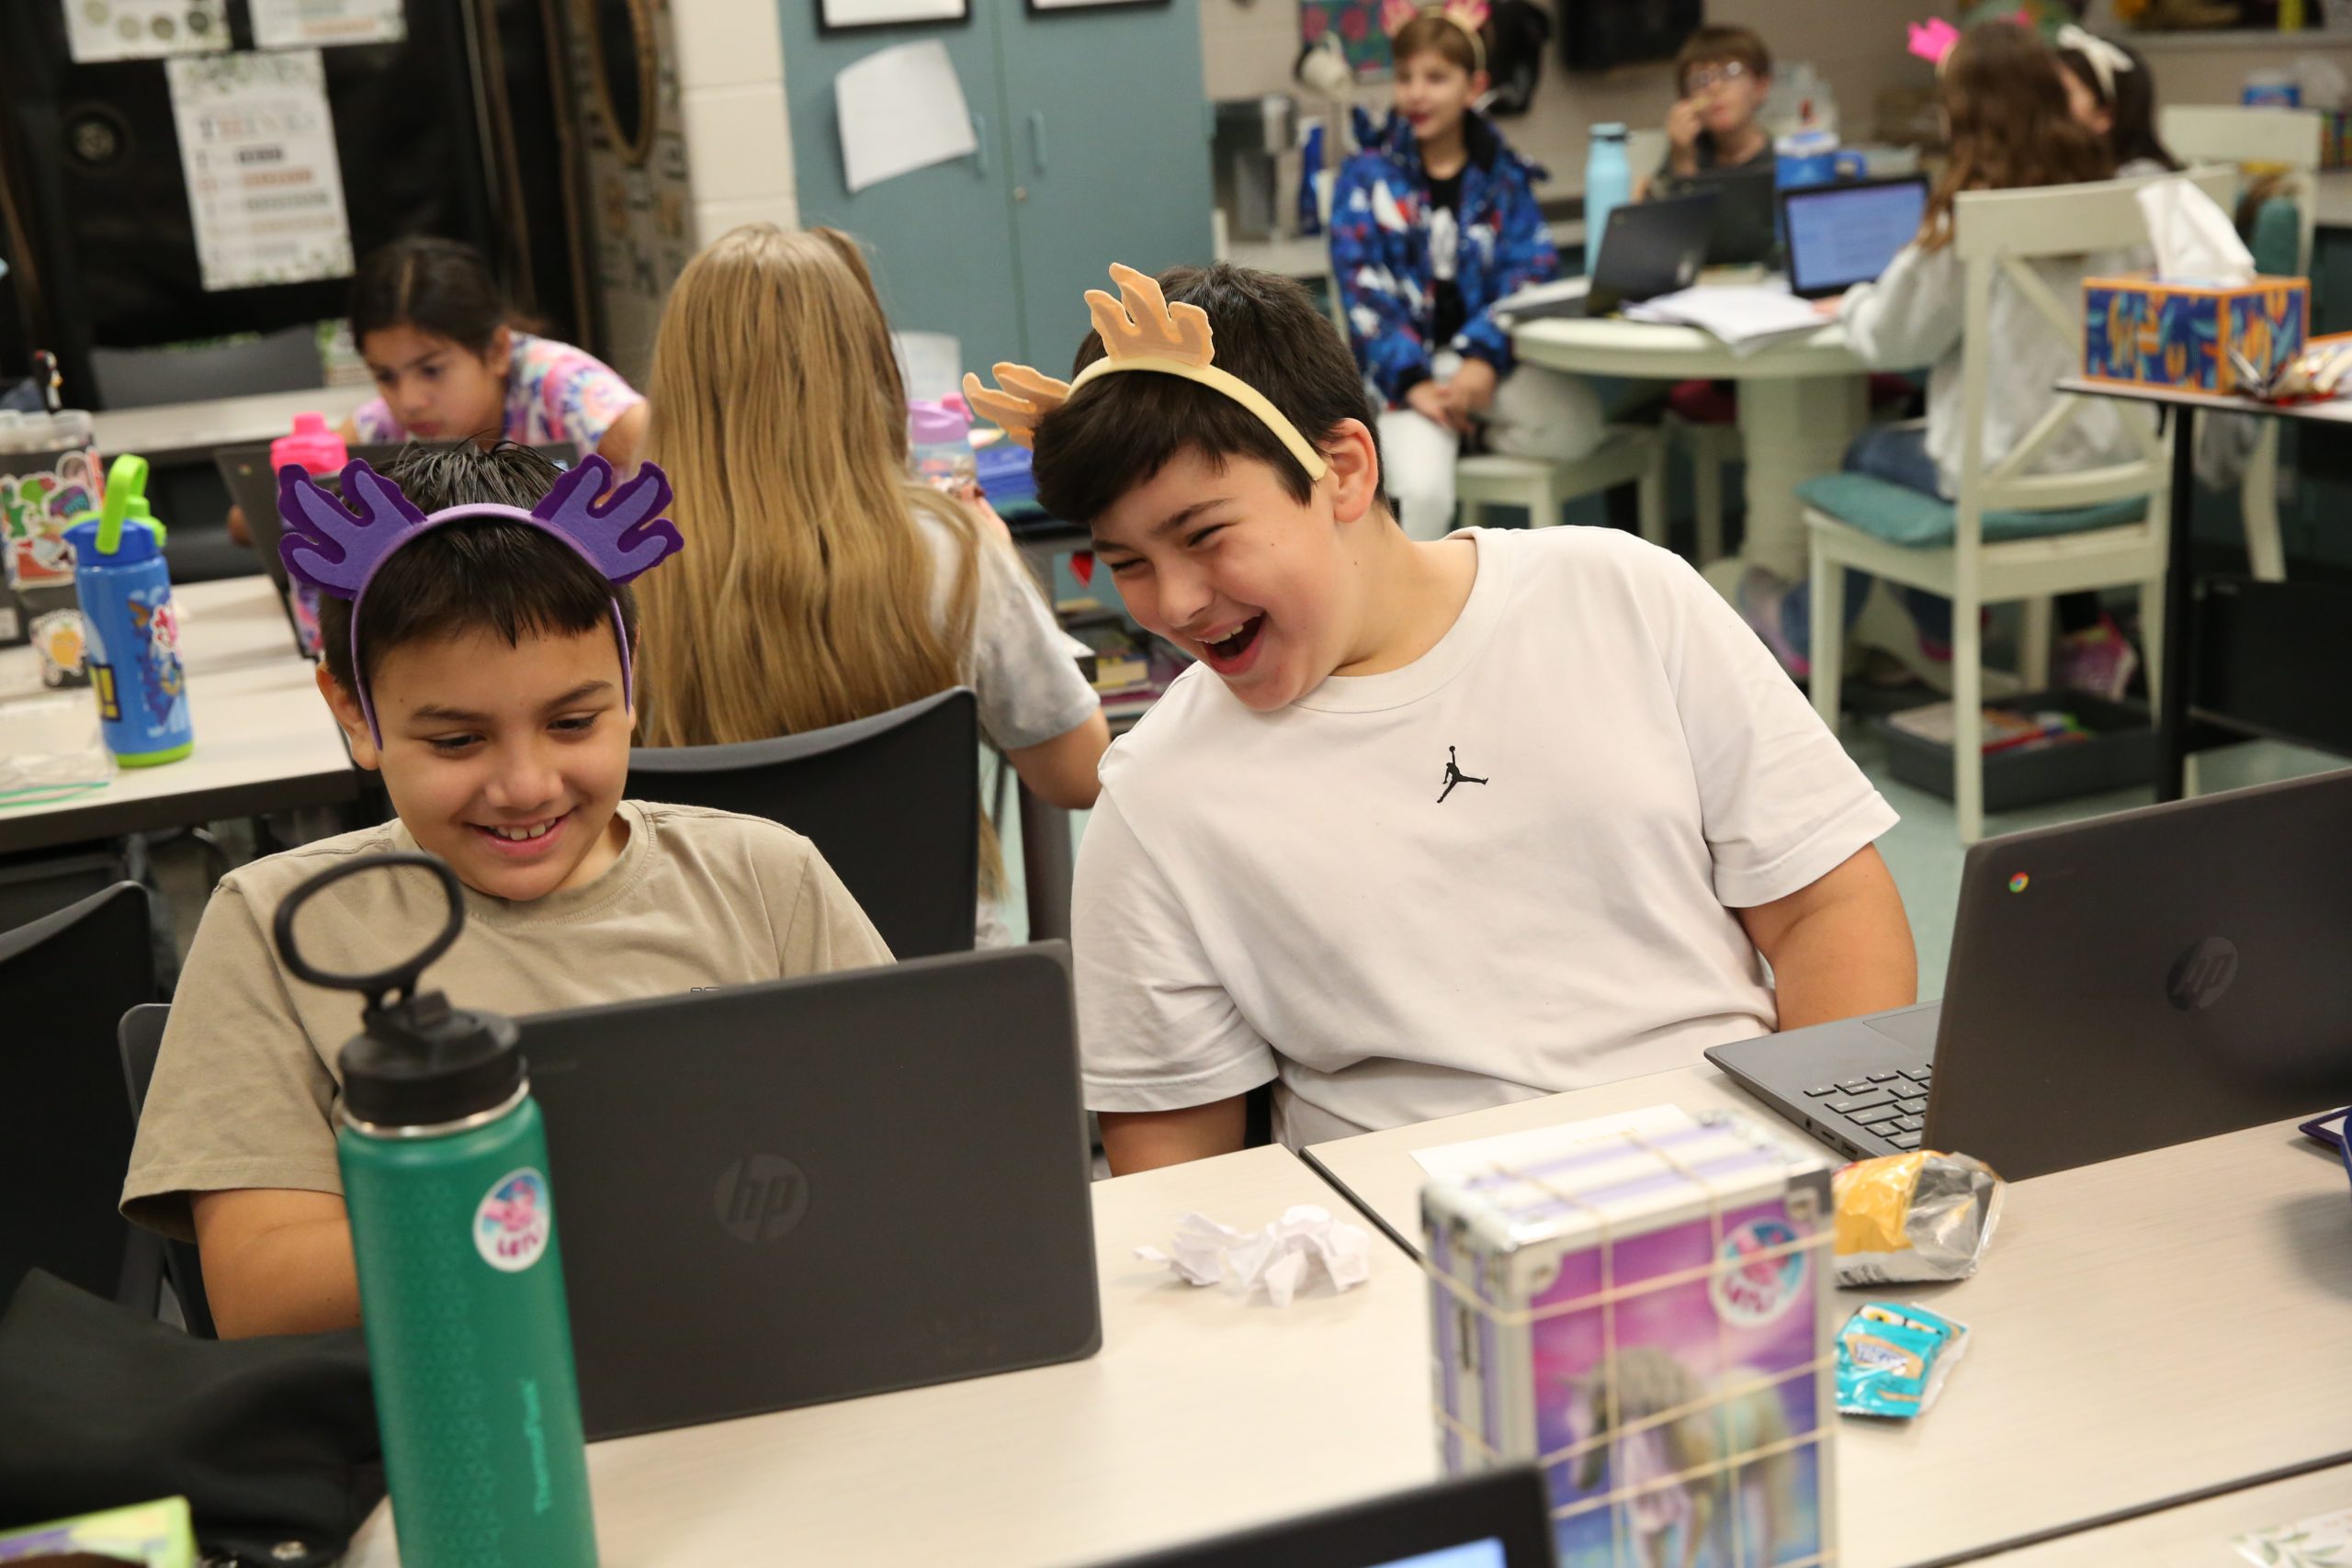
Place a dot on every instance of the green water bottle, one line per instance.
(445, 1172)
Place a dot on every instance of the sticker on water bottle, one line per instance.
(511, 1224)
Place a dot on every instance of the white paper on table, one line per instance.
(1452, 1162)
(98, 31)
(2316, 1542)
(1746, 317)
(1276, 1257)
(265, 191)
(304, 24)
(900, 109)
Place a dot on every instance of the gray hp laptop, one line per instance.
(1497, 1520)
(2116, 985)
(811, 1189)
(1647, 249)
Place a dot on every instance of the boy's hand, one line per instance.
(1473, 388)
(1433, 403)
(1683, 124)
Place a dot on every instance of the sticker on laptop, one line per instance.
(511, 1224)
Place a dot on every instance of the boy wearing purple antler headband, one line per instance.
(478, 640)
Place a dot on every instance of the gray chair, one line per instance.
(65, 980)
(285, 361)
(892, 802)
(140, 1037)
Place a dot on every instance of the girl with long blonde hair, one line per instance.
(827, 583)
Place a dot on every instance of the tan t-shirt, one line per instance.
(248, 1084)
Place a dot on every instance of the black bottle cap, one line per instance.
(417, 1062)
(421, 1063)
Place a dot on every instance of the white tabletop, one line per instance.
(1202, 1414)
(264, 740)
(173, 431)
(2147, 1329)
(2194, 1535)
(1609, 345)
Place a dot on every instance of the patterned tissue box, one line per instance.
(1641, 1307)
(2150, 333)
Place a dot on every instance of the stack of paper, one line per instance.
(1746, 319)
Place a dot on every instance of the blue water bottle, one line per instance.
(132, 635)
(1608, 185)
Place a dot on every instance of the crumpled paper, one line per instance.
(1277, 1257)
(2192, 237)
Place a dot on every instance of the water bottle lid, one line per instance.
(313, 447)
(1609, 130)
(418, 1063)
(138, 538)
(936, 423)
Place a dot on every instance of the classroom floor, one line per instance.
(1923, 850)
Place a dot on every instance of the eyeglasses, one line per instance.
(1702, 77)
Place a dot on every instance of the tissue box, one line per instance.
(2145, 331)
(1643, 1307)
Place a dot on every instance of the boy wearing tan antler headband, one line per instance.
(1432, 825)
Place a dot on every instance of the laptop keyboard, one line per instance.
(1894, 1105)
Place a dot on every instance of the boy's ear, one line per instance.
(344, 706)
(1354, 460)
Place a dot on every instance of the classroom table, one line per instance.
(1202, 1414)
(2175, 700)
(2193, 1535)
(1802, 400)
(264, 740)
(2147, 1331)
(177, 433)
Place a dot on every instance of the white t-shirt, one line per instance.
(1022, 666)
(1301, 894)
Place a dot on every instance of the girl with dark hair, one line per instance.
(2109, 93)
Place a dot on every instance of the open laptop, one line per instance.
(1647, 249)
(1500, 1519)
(1842, 234)
(812, 1190)
(1743, 229)
(2117, 985)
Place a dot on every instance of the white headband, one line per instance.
(2105, 58)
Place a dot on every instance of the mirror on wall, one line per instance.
(625, 57)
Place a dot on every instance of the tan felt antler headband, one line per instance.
(1141, 331)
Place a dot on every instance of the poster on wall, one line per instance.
(99, 30)
(322, 24)
(1356, 23)
(900, 109)
(842, 15)
(265, 192)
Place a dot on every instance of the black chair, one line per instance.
(65, 979)
(893, 803)
(140, 1035)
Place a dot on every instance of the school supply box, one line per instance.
(2151, 331)
(1641, 1307)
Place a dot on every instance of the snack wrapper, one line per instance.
(1893, 1359)
(1915, 1218)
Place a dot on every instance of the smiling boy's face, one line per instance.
(1232, 567)
(505, 760)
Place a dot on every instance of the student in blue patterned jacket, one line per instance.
(1431, 224)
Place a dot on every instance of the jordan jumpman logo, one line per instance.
(1454, 775)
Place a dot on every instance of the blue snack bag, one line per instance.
(1893, 1359)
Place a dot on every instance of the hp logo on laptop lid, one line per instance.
(2200, 974)
(760, 1197)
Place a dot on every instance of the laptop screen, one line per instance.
(1841, 235)
(1486, 1553)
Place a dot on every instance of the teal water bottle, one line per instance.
(445, 1173)
(1608, 185)
(130, 629)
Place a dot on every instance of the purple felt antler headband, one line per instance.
(338, 551)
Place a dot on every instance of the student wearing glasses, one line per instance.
(1721, 78)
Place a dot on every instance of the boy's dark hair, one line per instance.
(495, 575)
(2132, 134)
(436, 286)
(1717, 45)
(1121, 430)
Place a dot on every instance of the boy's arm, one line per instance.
(1840, 946)
(1145, 1140)
(275, 1261)
(1380, 324)
(1524, 254)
